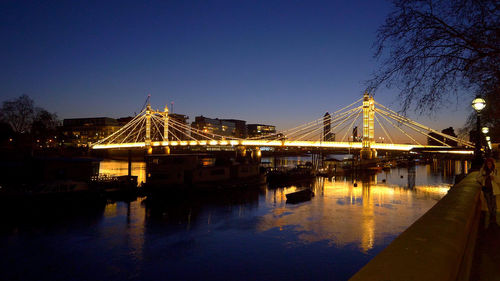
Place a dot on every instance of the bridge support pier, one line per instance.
(241, 152)
(256, 155)
(368, 153)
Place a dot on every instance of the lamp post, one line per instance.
(485, 131)
(478, 104)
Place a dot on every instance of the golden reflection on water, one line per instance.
(347, 215)
(110, 210)
(134, 215)
(120, 168)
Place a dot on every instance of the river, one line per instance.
(246, 235)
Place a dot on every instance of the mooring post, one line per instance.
(129, 163)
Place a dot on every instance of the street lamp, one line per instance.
(478, 104)
(485, 130)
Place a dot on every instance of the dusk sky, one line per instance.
(275, 62)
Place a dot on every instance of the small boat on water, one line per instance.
(299, 196)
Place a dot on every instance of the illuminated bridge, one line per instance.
(153, 128)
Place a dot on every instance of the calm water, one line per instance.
(244, 235)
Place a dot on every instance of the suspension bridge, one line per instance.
(153, 128)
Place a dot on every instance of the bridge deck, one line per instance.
(271, 143)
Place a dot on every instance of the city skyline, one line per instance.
(275, 63)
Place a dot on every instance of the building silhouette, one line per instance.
(240, 127)
(433, 138)
(179, 133)
(327, 124)
(83, 131)
(213, 128)
(257, 130)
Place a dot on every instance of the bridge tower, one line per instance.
(147, 139)
(165, 129)
(368, 127)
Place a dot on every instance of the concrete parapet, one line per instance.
(438, 246)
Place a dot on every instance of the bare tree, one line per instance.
(44, 123)
(434, 49)
(18, 113)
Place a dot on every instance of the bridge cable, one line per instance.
(322, 127)
(132, 130)
(397, 127)
(124, 129)
(381, 126)
(464, 142)
(337, 118)
(180, 131)
(172, 126)
(142, 125)
(411, 127)
(192, 130)
(349, 128)
(119, 132)
(321, 119)
(196, 131)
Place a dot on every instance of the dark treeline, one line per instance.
(22, 125)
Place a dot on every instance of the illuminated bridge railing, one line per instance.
(265, 143)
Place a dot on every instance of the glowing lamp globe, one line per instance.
(485, 130)
(478, 104)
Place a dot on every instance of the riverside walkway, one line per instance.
(452, 241)
(486, 262)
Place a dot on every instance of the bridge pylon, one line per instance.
(367, 152)
(147, 138)
(165, 129)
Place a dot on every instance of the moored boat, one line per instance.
(299, 196)
(166, 173)
(281, 177)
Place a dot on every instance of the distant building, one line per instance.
(124, 120)
(327, 124)
(255, 130)
(83, 131)
(433, 138)
(240, 127)
(213, 128)
(180, 132)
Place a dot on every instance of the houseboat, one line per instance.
(284, 177)
(198, 171)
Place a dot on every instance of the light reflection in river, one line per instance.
(120, 168)
(343, 214)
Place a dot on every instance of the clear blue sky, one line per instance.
(277, 62)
